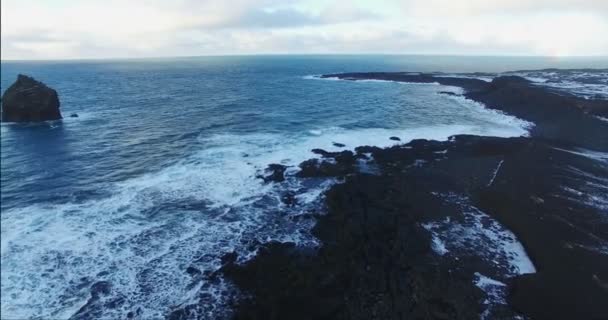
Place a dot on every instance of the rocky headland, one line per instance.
(394, 231)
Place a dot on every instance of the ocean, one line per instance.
(157, 176)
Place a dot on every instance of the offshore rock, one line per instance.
(29, 100)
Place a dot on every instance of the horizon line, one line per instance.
(599, 56)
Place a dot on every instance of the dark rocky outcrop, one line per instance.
(275, 173)
(466, 83)
(289, 199)
(376, 262)
(28, 100)
(555, 115)
(332, 164)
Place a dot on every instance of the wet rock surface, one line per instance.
(29, 100)
(378, 259)
(275, 173)
(331, 164)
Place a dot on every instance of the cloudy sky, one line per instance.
(66, 29)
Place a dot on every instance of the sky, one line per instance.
(93, 29)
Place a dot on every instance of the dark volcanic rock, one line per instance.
(276, 173)
(466, 83)
(289, 198)
(333, 164)
(556, 116)
(395, 138)
(229, 258)
(74, 115)
(100, 288)
(559, 232)
(376, 261)
(339, 145)
(100, 299)
(28, 100)
(193, 271)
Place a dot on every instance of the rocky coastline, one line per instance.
(381, 257)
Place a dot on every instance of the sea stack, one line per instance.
(29, 100)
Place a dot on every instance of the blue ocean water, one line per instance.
(158, 172)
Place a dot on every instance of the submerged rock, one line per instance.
(289, 198)
(28, 100)
(276, 173)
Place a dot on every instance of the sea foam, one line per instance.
(143, 235)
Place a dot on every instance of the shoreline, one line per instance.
(377, 260)
(557, 116)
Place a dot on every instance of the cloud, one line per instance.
(292, 17)
(140, 28)
(472, 8)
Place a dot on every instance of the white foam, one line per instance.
(504, 125)
(495, 173)
(367, 165)
(507, 122)
(438, 246)
(453, 89)
(393, 81)
(602, 118)
(149, 229)
(536, 79)
(577, 82)
(483, 281)
(319, 77)
(478, 234)
(593, 197)
(495, 293)
(358, 80)
(591, 154)
(464, 76)
(314, 194)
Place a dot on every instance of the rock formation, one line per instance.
(28, 100)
